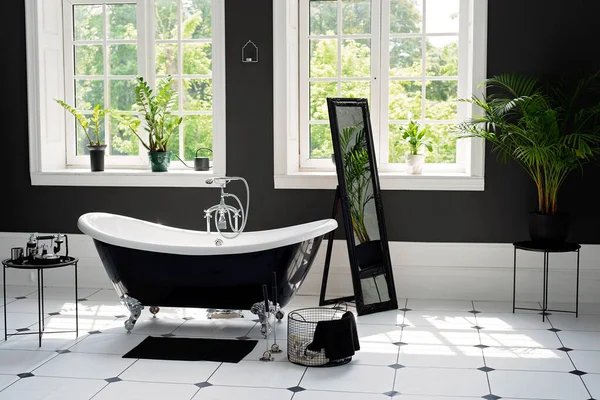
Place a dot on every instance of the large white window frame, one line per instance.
(294, 170)
(51, 131)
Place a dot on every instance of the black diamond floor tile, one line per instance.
(113, 380)
(406, 309)
(21, 297)
(396, 366)
(53, 314)
(486, 369)
(391, 393)
(565, 349)
(402, 325)
(475, 312)
(25, 375)
(203, 384)
(188, 318)
(296, 389)
(577, 372)
(63, 351)
(82, 299)
(491, 397)
(167, 335)
(477, 327)
(22, 329)
(94, 332)
(400, 344)
(242, 338)
(554, 330)
(481, 346)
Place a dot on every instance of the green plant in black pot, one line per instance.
(91, 128)
(156, 111)
(550, 130)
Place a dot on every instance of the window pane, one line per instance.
(197, 22)
(197, 58)
(89, 60)
(442, 16)
(356, 58)
(357, 89)
(121, 21)
(122, 140)
(122, 94)
(442, 100)
(88, 93)
(320, 141)
(198, 94)
(319, 91)
(406, 57)
(173, 144)
(197, 133)
(89, 22)
(356, 17)
(323, 17)
(405, 100)
(398, 146)
(165, 12)
(443, 140)
(166, 59)
(123, 59)
(406, 16)
(323, 58)
(442, 56)
(82, 140)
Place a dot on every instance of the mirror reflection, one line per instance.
(361, 198)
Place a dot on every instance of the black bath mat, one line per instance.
(192, 349)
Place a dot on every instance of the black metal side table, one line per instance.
(546, 249)
(63, 261)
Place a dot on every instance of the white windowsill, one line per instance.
(388, 181)
(122, 177)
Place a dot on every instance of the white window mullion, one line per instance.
(423, 64)
(376, 62)
(70, 127)
(339, 47)
(180, 81)
(145, 30)
(106, 81)
(464, 75)
(304, 87)
(384, 83)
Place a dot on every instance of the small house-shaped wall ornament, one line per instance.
(250, 52)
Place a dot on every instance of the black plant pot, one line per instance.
(97, 157)
(551, 229)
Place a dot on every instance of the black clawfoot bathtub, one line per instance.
(155, 265)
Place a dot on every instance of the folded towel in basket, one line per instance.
(338, 337)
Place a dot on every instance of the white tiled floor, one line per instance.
(427, 350)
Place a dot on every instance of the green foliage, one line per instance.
(548, 130)
(357, 172)
(92, 123)
(156, 111)
(414, 135)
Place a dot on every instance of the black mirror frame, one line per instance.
(362, 309)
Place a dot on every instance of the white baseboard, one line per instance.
(467, 271)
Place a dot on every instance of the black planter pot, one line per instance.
(551, 229)
(159, 160)
(97, 157)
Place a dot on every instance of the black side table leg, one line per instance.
(514, 278)
(76, 305)
(4, 309)
(43, 311)
(39, 293)
(577, 288)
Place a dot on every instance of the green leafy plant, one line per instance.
(414, 135)
(92, 123)
(156, 110)
(358, 177)
(550, 130)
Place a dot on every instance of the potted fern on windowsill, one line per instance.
(414, 136)
(91, 128)
(156, 111)
(549, 130)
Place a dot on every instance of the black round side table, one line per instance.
(63, 261)
(546, 249)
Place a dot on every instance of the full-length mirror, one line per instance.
(362, 209)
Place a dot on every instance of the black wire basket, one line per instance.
(301, 329)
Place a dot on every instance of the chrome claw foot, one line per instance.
(263, 315)
(275, 348)
(154, 310)
(279, 314)
(135, 308)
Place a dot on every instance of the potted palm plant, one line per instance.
(414, 135)
(91, 127)
(547, 129)
(156, 110)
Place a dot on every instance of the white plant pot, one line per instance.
(414, 164)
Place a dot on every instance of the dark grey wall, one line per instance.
(534, 36)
